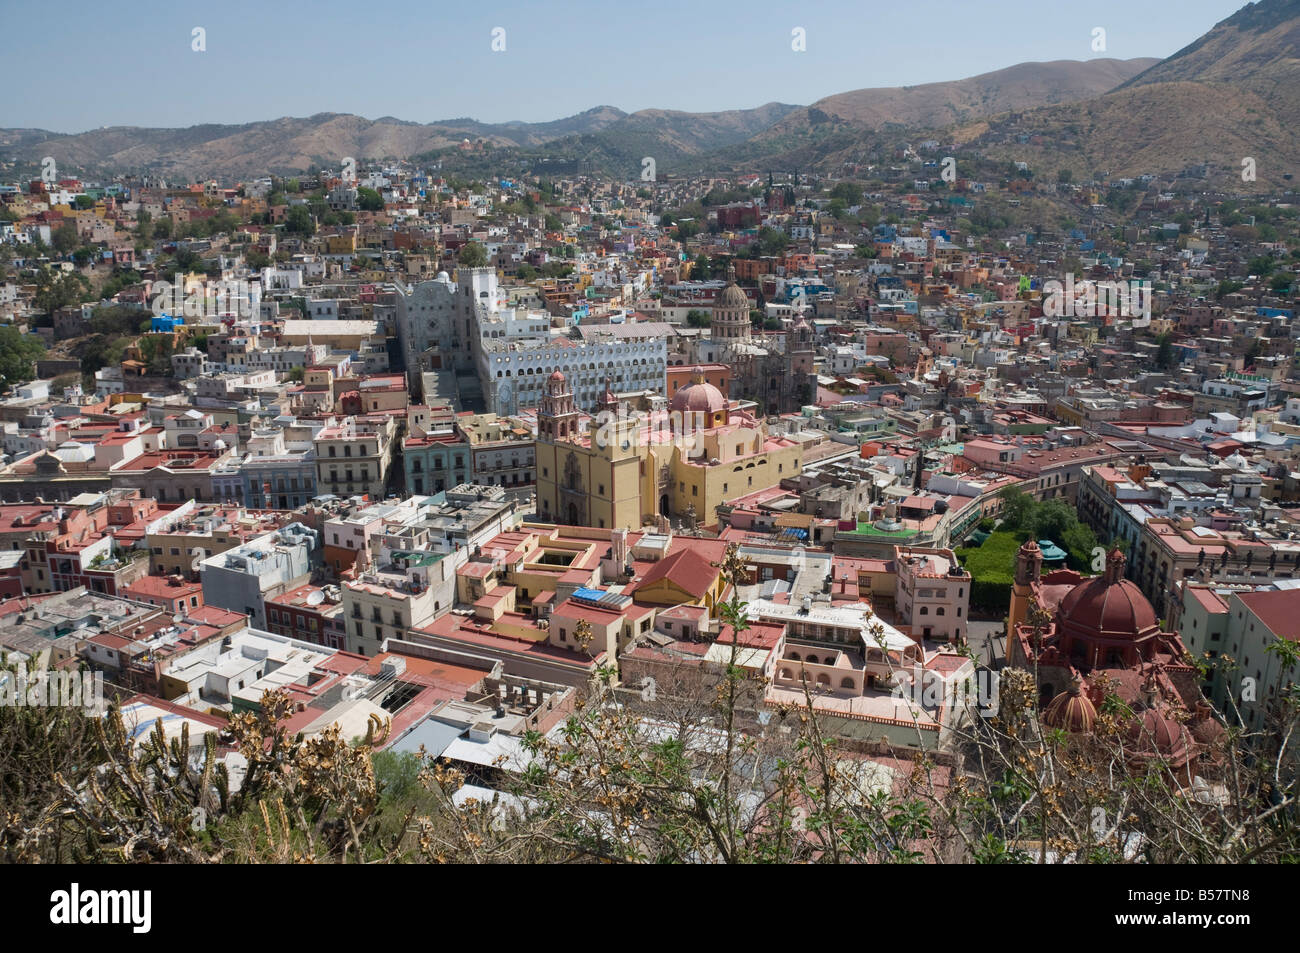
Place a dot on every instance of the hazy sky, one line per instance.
(77, 65)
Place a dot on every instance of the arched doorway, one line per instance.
(573, 514)
(663, 505)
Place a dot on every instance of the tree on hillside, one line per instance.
(368, 200)
(157, 350)
(1262, 265)
(56, 290)
(18, 355)
(299, 221)
(118, 319)
(472, 256)
(847, 192)
(772, 241)
(65, 238)
(1164, 351)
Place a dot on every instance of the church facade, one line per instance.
(775, 371)
(628, 469)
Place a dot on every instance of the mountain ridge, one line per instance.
(1232, 94)
(616, 138)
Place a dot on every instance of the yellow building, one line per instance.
(686, 578)
(630, 468)
(179, 548)
(345, 244)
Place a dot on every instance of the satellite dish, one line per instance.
(315, 597)
(178, 617)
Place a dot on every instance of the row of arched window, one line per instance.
(580, 368)
(810, 657)
(822, 679)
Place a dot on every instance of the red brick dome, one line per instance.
(1108, 607)
(1159, 735)
(699, 396)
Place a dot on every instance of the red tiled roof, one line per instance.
(163, 587)
(598, 615)
(687, 569)
(1278, 610)
(215, 615)
(760, 635)
(109, 640)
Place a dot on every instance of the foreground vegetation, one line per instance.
(693, 777)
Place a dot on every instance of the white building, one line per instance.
(241, 579)
(633, 357)
(442, 315)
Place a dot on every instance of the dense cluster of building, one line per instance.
(463, 454)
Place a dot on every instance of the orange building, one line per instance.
(719, 375)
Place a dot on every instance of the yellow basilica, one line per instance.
(629, 469)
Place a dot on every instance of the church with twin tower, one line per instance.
(631, 468)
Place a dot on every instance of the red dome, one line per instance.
(699, 396)
(557, 376)
(1106, 608)
(1158, 734)
(1207, 730)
